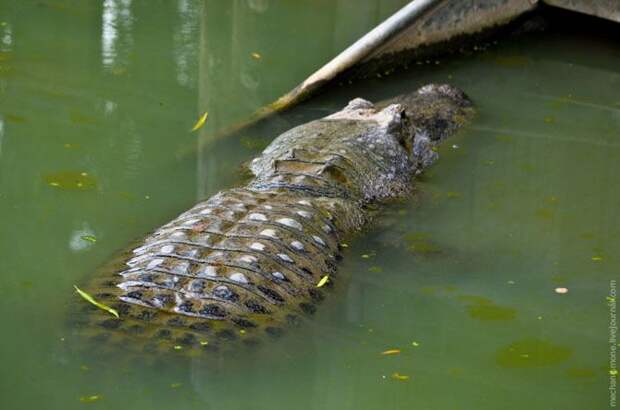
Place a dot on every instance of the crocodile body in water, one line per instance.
(246, 262)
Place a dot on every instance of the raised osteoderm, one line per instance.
(246, 262)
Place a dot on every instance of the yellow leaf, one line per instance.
(201, 121)
(90, 399)
(391, 352)
(398, 376)
(256, 56)
(92, 300)
(323, 281)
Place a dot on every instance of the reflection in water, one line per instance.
(186, 38)
(81, 239)
(1, 133)
(116, 34)
(6, 36)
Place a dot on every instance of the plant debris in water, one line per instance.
(201, 121)
(71, 181)
(390, 352)
(400, 377)
(92, 300)
(91, 399)
(323, 281)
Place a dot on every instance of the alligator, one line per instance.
(251, 261)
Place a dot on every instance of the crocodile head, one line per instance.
(431, 114)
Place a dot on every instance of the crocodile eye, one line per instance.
(405, 137)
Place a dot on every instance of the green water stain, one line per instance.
(416, 236)
(532, 353)
(420, 243)
(16, 119)
(580, 373)
(481, 308)
(423, 247)
(491, 312)
(544, 213)
(526, 167)
(71, 181)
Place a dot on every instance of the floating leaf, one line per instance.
(398, 376)
(390, 352)
(88, 238)
(201, 121)
(415, 344)
(90, 399)
(323, 281)
(256, 56)
(92, 300)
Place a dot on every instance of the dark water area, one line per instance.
(491, 287)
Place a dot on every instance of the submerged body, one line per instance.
(246, 262)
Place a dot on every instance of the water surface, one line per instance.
(96, 103)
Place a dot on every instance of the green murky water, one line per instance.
(96, 103)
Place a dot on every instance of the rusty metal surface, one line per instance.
(454, 18)
(607, 9)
